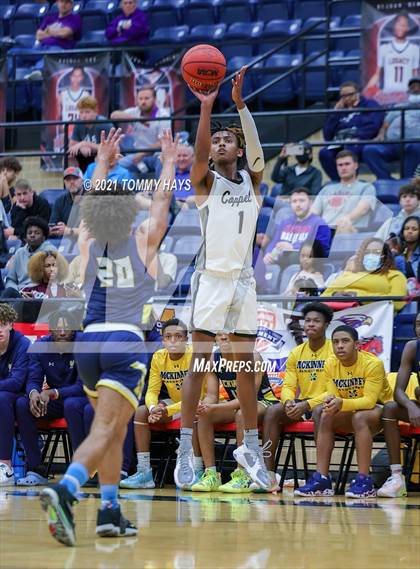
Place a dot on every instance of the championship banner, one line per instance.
(3, 92)
(67, 79)
(390, 48)
(165, 80)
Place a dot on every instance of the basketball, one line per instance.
(203, 67)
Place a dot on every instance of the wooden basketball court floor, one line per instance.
(182, 530)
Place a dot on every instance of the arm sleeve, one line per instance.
(372, 390)
(254, 151)
(73, 390)
(139, 27)
(16, 379)
(35, 374)
(290, 382)
(174, 408)
(155, 384)
(112, 29)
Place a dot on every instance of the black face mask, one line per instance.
(302, 159)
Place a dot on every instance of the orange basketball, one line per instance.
(203, 67)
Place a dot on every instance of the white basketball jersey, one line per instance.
(69, 100)
(228, 221)
(398, 61)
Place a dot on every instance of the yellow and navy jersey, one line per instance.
(170, 373)
(305, 374)
(362, 385)
(413, 383)
(228, 380)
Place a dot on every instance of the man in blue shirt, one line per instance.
(13, 372)
(52, 363)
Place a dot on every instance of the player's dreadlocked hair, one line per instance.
(109, 215)
(235, 129)
(8, 315)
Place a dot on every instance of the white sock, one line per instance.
(198, 463)
(211, 468)
(143, 461)
(396, 469)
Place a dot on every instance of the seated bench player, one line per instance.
(401, 409)
(228, 411)
(304, 385)
(49, 364)
(168, 368)
(13, 372)
(356, 388)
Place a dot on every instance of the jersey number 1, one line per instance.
(241, 220)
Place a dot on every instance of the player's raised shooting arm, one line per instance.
(254, 151)
(201, 176)
(148, 242)
(108, 148)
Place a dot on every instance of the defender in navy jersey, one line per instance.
(223, 285)
(118, 271)
(402, 409)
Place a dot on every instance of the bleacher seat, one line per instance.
(27, 18)
(96, 14)
(352, 21)
(6, 13)
(264, 218)
(164, 14)
(347, 8)
(93, 38)
(51, 195)
(380, 214)
(267, 10)
(25, 40)
(235, 11)
(346, 245)
(198, 12)
(315, 76)
(315, 43)
(283, 91)
(208, 32)
(174, 34)
(187, 222)
(13, 245)
(311, 8)
(186, 247)
(271, 280)
(233, 64)
(77, 6)
(276, 32)
(167, 244)
(245, 30)
(387, 190)
(183, 280)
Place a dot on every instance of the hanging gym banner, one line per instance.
(67, 79)
(390, 48)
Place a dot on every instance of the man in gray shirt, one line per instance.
(379, 156)
(410, 205)
(347, 205)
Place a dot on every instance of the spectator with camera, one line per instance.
(301, 174)
(349, 129)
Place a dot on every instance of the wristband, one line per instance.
(152, 407)
(31, 391)
(55, 395)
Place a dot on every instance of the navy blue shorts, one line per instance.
(108, 363)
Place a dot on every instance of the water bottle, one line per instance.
(18, 461)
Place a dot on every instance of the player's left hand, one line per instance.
(169, 145)
(237, 84)
(296, 411)
(332, 406)
(109, 147)
(44, 399)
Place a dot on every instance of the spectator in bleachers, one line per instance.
(56, 368)
(35, 231)
(13, 372)
(356, 383)
(348, 130)
(379, 156)
(305, 383)
(409, 196)
(10, 167)
(130, 27)
(60, 30)
(47, 271)
(408, 261)
(86, 137)
(374, 274)
(293, 231)
(301, 174)
(143, 135)
(168, 368)
(310, 259)
(346, 205)
(405, 408)
(66, 209)
(28, 204)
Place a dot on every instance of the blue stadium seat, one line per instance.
(198, 12)
(77, 6)
(25, 40)
(93, 38)
(234, 64)
(183, 280)
(321, 28)
(244, 30)
(267, 10)
(13, 245)
(286, 276)
(347, 8)
(310, 8)
(174, 34)
(186, 222)
(271, 280)
(316, 44)
(378, 217)
(347, 43)
(186, 247)
(276, 32)
(387, 190)
(264, 218)
(276, 190)
(315, 76)
(96, 14)
(344, 246)
(352, 21)
(27, 18)
(51, 195)
(236, 11)
(164, 15)
(284, 90)
(167, 244)
(208, 32)
(237, 50)
(6, 14)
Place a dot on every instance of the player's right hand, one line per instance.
(414, 414)
(206, 97)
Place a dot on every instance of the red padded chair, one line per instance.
(55, 430)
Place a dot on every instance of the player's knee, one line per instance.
(391, 410)
(359, 420)
(316, 414)
(22, 405)
(274, 413)
(142, 413)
